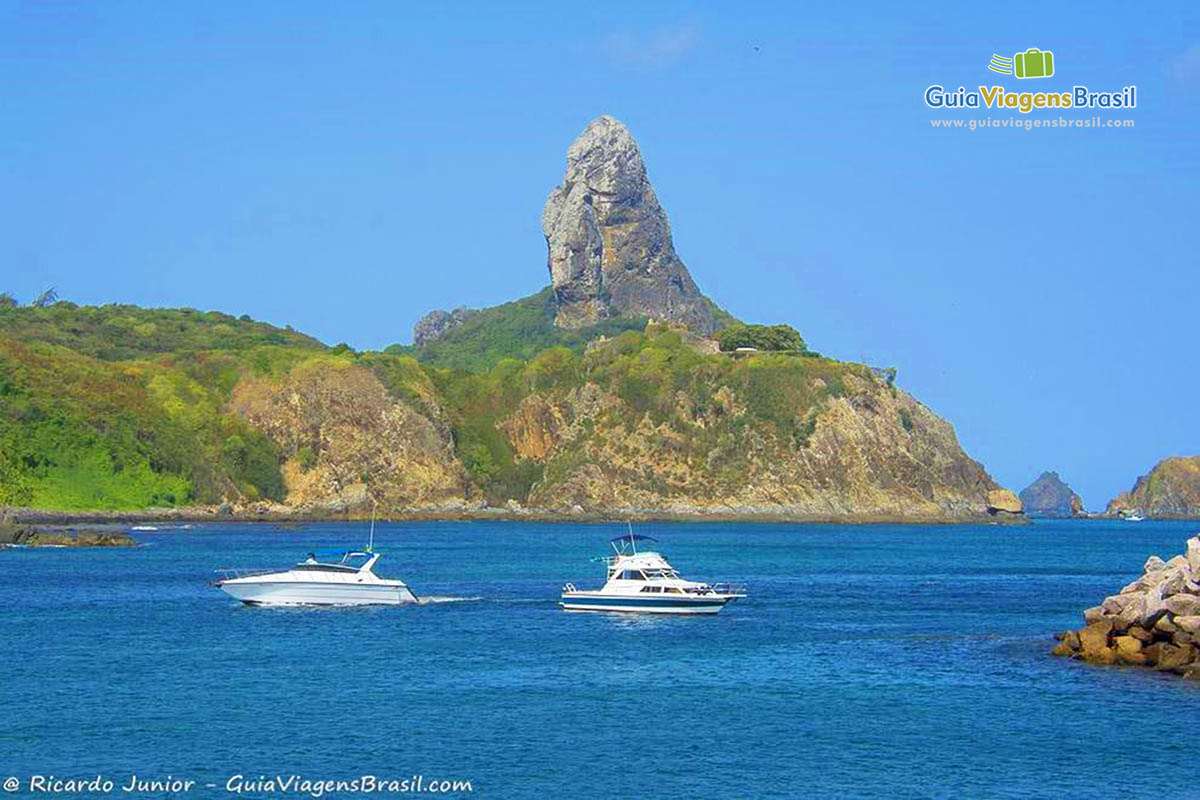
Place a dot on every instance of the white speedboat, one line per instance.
(350, 580)
(644, 582)
(1134, 516)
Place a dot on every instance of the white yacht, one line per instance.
(1134, 516)
(643, 581)
(348, 581)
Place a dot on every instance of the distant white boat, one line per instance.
(143, 528)
(644, 582)
(1134, 516)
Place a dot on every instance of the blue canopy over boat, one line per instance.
(633, 537)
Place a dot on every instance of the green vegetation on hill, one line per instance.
(115, 332)
(520, 329)
(124, 408)
(118, 407)
(761, 337)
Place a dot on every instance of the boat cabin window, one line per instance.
(651, 588)
(672, 590)
(632, 575)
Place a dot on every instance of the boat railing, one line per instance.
(233, 573)
(729, 587)
(569, 587)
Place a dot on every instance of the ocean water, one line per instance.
(869, 661)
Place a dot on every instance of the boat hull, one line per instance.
(295, 593)
(633, 604)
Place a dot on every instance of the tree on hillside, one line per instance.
(8, 301)
(760, 337)
(46, 298)
(14, 487)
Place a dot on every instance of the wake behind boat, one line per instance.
(645, 582)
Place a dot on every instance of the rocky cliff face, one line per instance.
(436, 323)
(610, 248)
(1172, 489)
(347, 441)
(870, 451)
(1048, 496)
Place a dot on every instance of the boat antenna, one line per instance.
(371, 541)
(632, 541)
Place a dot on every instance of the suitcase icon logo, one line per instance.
(1033, 63)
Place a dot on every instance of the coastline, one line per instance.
(203, 514)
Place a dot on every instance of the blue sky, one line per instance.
(344, 168)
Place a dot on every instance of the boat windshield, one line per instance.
(660, 574)
(334, 559)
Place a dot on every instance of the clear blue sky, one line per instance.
(346, 167)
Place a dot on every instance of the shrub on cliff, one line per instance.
(760, 337)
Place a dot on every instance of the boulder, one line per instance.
(1153, 607)
(1188, 624)
(1093, 614)
(1153, 564)
(1129, 650)
(1165, 625)
(1140, 633)
(1003, 500)
(1193, 554)
(1175, 582)
(1062, 650)
(1183, 605)
(1094, 640)
(1172, 658)
(1117, 603)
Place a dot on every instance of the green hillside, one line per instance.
(117, 407)
(520, 329)
(123, 408)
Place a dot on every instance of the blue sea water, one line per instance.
(869, 661)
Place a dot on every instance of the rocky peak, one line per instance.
(1049, 496)
(436, 323)
(609, 242)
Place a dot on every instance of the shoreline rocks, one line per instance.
(43, 536)
(1153, 622)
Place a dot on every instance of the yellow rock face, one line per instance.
(872, 451)
(347, 440)
(1004, 500)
